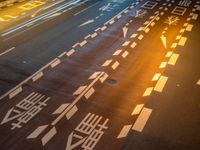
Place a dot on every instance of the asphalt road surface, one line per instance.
(101, 74)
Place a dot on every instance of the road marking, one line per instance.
(134, 35)
(148, 91)
(195, 16)
(153, 24)
(133, 45)
(106, 63)
(125, 30)
(86, 23)
(70, 113)
(117, 52)
(15, 92)
(189, 27)
(60, 109)
(37, 76)
(140, 29)
(111, 22)
(48, 136)
(178, 37)
(182, 41)
(163, 65)
(140, 37)
(89, 93)
(174, 45)
(142, 119)
(83, 43)
(85, 9)
(164, 40)
(137, 109)
(149, 5)
(37, 132)
(69, 53)
(104, 77)
(182, 30)
(75, 45)
(124, 131)
(156, 76)
(62, 54)
(7, 51)
(94, 35)
(126, 43)
(86, 37)
(115, 65)
(147, 30)
(179, 10)
(94, 75)
(198, 82)
(125, 54)
(161, 84)
(169, 54)
(173, 59)
(79, 90)
(55, 63)
(103, 28)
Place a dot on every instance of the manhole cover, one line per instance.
(111, 81)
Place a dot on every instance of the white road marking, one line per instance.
(37, 132)
(174, 45)
(161, 84)
(134, 35)
(104, 77)
(83, 43)
(89, 93)
(94, 75)
(169, 53)
(179, 10)
(147, 30)
(60, 109)
(111, 22)
(62, 54)
(140, 37)
(103, 28)
(195, 16)
(142, 119)
(133, 45)
(85, 9)
(48, 136)
(125, 54)
(86, 23)
(69, 53)
(156, 76)
(198, 82)
(125, 30)
(115, 65)
(148, 91)
(140, 29)
(137, 109)
(182, 41)
(126, 43)
(15, 92)
(79, 90)
(75, 45)
(70, 113)
(7, 51)
(182, 30)
(94, 35)
(189, 27)
(124, 131)
(117, 52)
(163, 65)
(173, 59)
(37, 76)
(55, 63)
(178, 37)
(106, 63)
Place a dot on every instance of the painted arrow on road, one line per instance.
(125, 29)
(87, 22)
(164, 41)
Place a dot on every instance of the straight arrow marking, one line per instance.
(125, 29)
(164, 41)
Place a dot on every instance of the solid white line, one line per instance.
(142, 119)
(137, 109)
(161, 84)
(71, 112)
(5, 52)
(48, 136)
(124, 131)
(37, 132)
